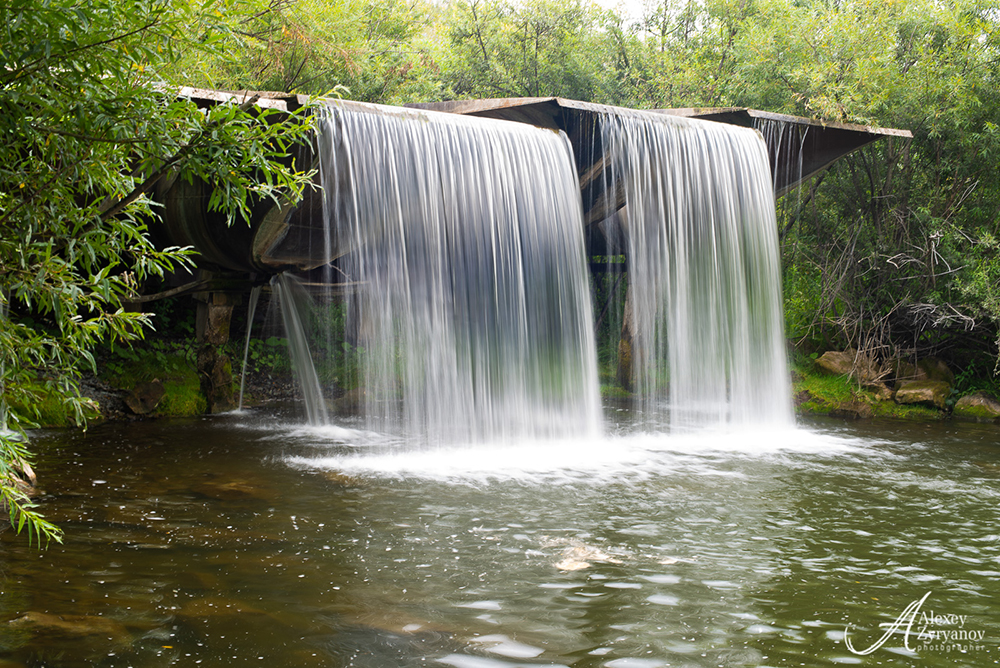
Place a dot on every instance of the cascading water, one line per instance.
(786, 146)
(295, 304)
(251, 311)
(705, 306)
(464, 238)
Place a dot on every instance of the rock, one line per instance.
(928, 392)
(144, 399)
(71, 626)
(577, 555)
(881, 391)
(852, 410)
(579, 552)
(936, 370)
(929, 368)
(802, 397)
(109, 400)
(978, 406)
(851, 363)
(838, 363)
(570, 564)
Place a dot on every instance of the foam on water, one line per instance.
(600, 460)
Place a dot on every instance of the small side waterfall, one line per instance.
(466, 244)
(251, 311)
(704, 304)
(295, 304)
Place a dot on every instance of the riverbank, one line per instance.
(845, 384)
(161, 380)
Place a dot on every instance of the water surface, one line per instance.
(250, 540)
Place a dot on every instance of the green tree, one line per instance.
(372, 51)
(895, 227)
(538, 48)
(90, 124)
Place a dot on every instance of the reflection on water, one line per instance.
(242, 540)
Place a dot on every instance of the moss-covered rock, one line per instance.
(928, 368)
(836, 395)
(979, 406)
(182, 398)
(816, 404)
(903, 370)
(145, 397)
(174, 369)
(924, 392)
(936, 369)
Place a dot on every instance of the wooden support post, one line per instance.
(215, 312)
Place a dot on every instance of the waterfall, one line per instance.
(704, 293)
(295, 305)
(251, 311)
(461, 264)
(464, 239)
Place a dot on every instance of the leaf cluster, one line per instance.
(89, 127)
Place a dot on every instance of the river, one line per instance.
(247, 539)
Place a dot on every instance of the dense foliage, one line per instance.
(894, 250)
(89, 127)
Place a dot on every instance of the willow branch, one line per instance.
(111, 210)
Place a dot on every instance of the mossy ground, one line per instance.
(815, 393)
(612, 391)
(173, 365)
(820, 394)
(607, 376)
(977, 413)
(47, 408)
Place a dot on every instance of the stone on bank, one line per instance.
(978, 406)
